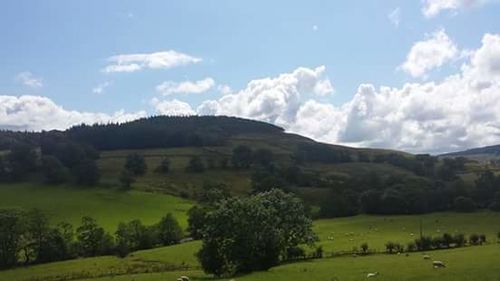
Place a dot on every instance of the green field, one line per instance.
(107, 206)
(470, 263)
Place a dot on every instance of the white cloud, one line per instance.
(99, 89)
(41, 113)
(172, 107)
(28, 79)
(395, 17)
(433, 52)
(273, 100)
(186, 87)
(224, 89)
(432, 8)
(315, 28)
(159, 60)
(461, 111)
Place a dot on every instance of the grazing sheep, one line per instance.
(427, 257)
(184, 278)
(438, 264)
(371, 274)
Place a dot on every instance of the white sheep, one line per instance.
(427, 257)
(184, 278)
(371, 274)
(438, 264)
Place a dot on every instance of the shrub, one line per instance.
(390, 247)
(464, 204)
(459, 240)
(482, 239)
(195, 165)
(424, 243)
(136, 164)
(364, 248)
(411, 247)
(474, 239)
(295, 252)
(164, 166)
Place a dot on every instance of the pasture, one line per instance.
(106, 205)
(167, 263)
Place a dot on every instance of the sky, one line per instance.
(420, 76)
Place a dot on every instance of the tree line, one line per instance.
(28, 238)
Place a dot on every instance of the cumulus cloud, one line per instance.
(432, 8)
(186, 87)
(436, 50)
(172, 107)
(158, 60)
(461, 111)
(99, 89)
(224, 89)
(273, 100)
(28, 79)
(35, 113)
(395, 17)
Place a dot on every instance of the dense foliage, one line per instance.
(254, 233)
(27, 237)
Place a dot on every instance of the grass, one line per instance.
(351, 232)
(470, 263)
(107, 206)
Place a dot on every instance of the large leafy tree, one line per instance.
(246, 234)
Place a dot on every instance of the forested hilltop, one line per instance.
(185, 156)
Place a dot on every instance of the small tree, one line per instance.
(411, 247)
(474, 239)
(87, 172)
(53, 170)
(164, 166)
(136, 164)
(126, 179)
(482, 239)
(195, 165)
(92, 239)
(169, 230)
(390, 246)
(242, 157)
(459, 240)
(364, 248)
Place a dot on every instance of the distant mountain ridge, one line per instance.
(493, 150)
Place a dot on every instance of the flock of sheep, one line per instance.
(435, 264)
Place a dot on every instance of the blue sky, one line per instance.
(59, 50)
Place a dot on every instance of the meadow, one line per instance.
(108, 206)
(167, 263)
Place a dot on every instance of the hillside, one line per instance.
(487, 154)
(316, 171)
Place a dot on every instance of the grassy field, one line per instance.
(107, 206)
(471, 263)
(465, 264)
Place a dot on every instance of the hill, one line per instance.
(487, 154)
(318, 172)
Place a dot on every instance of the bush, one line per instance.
(459, 240)
(164, 166)
(364, 248)
(464, 204)
(390, 247)
(424, 243)
(169, 231)
(474, 239)
(126, 179)
(195, 165)
(136, 164)
(482, 239)
(295, 253)
(411, 247)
